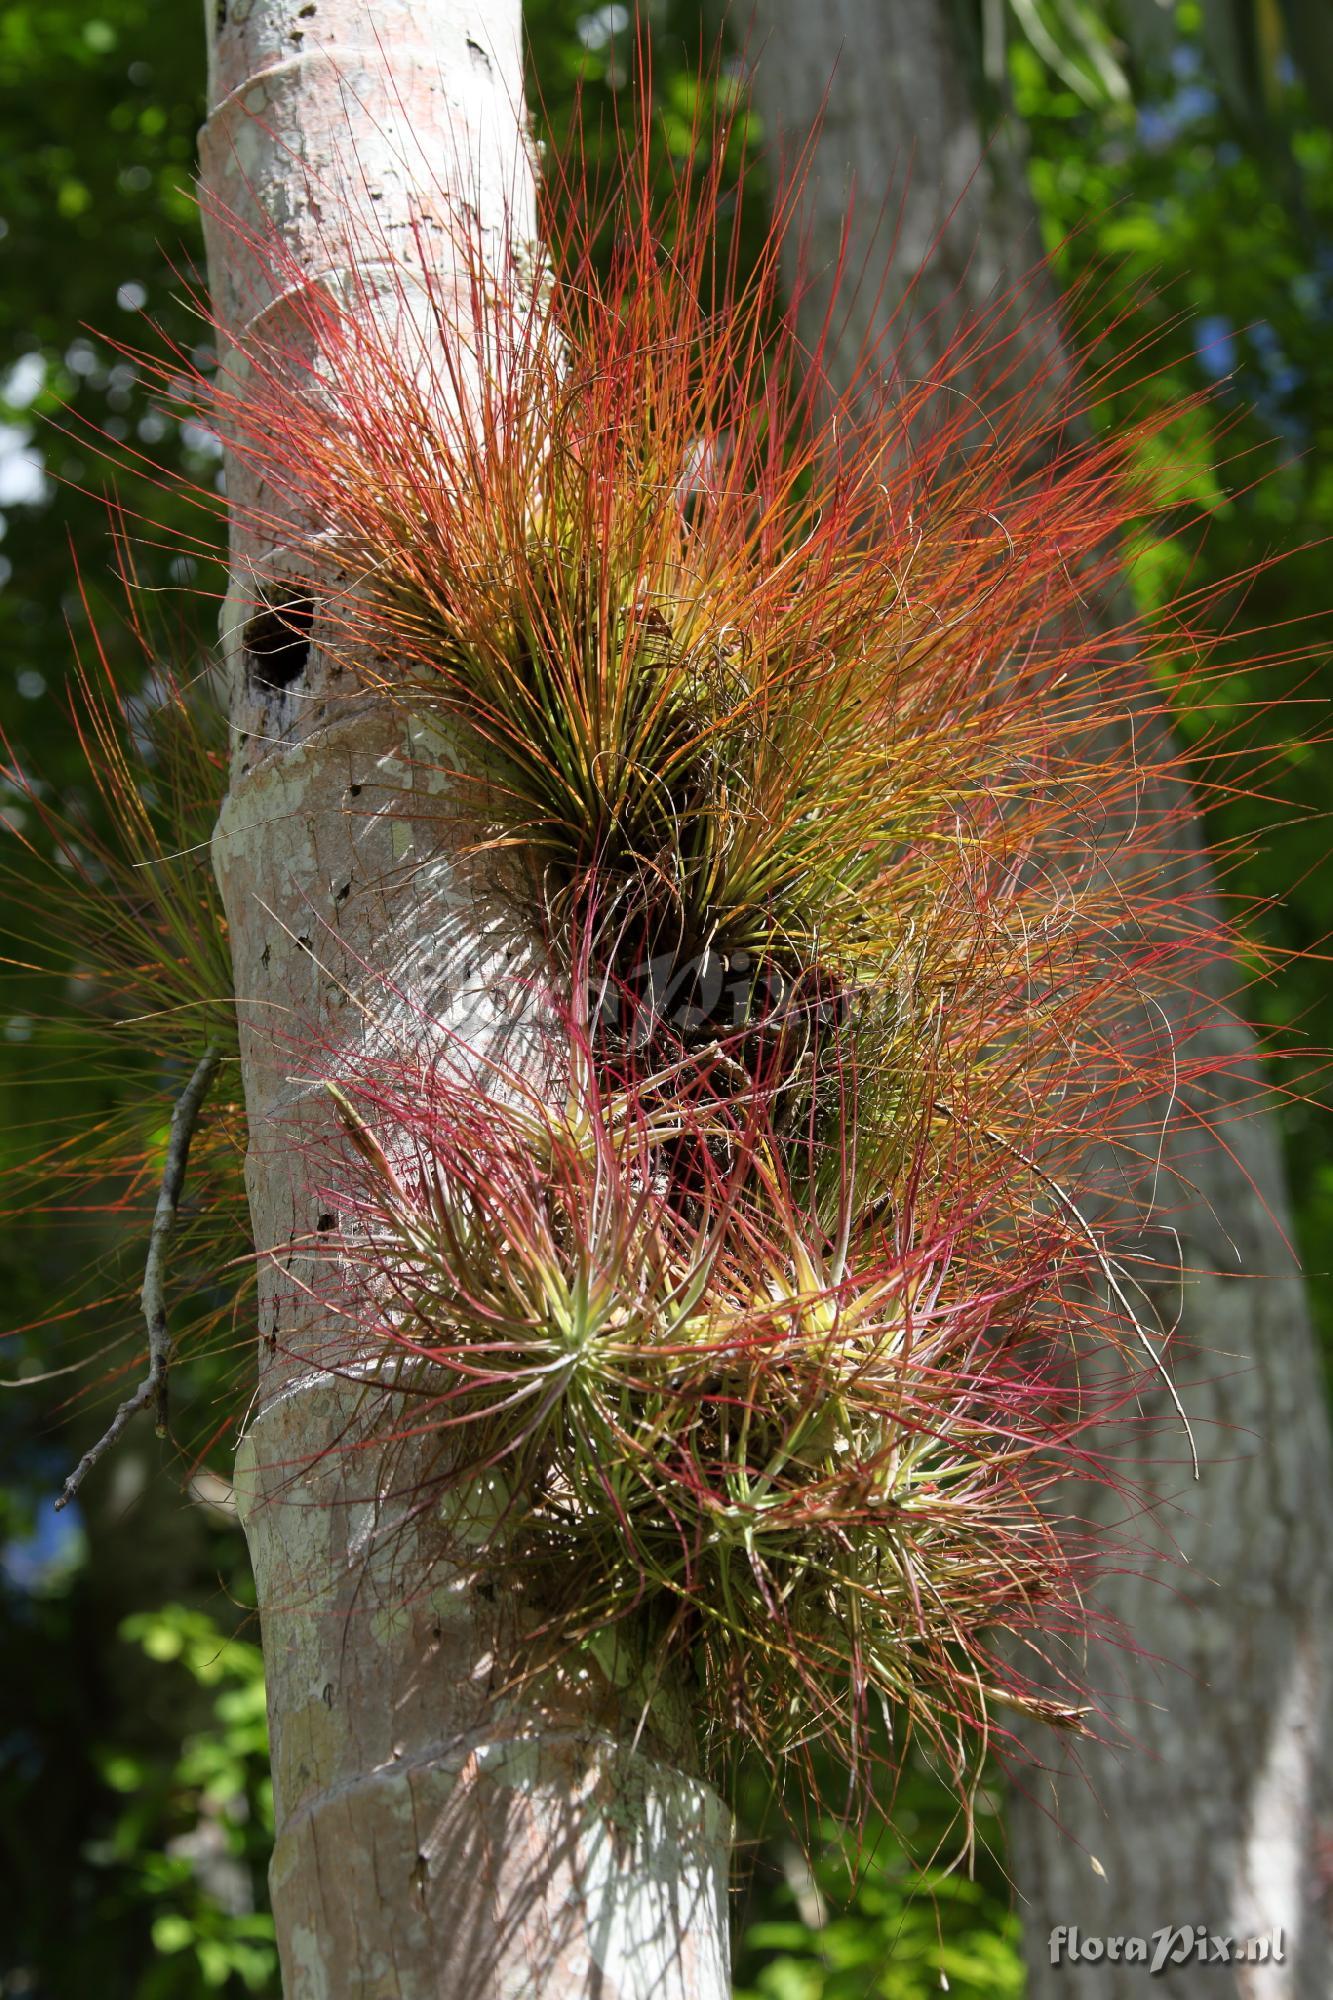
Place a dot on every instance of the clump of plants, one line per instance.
(765, 1292)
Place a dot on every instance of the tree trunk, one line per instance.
(1213, 1810)
(435, 1836)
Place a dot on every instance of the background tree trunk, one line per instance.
(1215, 1812)
(434, 1837)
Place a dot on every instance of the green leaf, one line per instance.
(172, 1933)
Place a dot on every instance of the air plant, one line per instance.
(766, 1309)
(693, 1384)
(112, 906)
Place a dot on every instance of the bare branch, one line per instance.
(153, 1388)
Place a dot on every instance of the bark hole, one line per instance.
(277, 643)
(220, 18)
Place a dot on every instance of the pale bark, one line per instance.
(434, 1838)
(1214, 1809)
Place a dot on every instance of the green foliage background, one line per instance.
(1187, 149)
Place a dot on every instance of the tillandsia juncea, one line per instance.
(770, 1283)
(116, 953)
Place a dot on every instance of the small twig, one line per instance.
(153, 1388)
